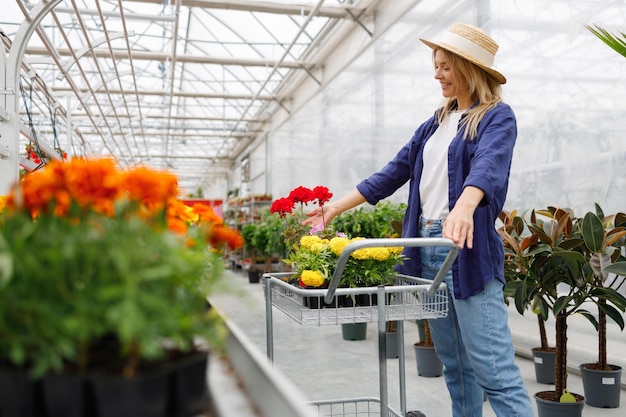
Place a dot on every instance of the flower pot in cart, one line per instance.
(354, 331)
(428, 363)
(602, 388)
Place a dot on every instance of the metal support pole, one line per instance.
(382, 352)
(269, 329)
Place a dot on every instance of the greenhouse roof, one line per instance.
(183, 85)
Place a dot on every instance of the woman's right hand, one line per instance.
(323, 215)
(320, 215)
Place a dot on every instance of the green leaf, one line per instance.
(618, 268)
(613, 313)
(593, 232)
(590, 317)
(613, 41)
(561, 304)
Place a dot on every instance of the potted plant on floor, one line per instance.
(104, 278)
(563, 284)
(604, 238)
(558, 266)
(428, 363)
(519, 260)
(268, 240)
(248, 232)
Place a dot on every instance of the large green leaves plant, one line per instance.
(547, 273)
(604, 239)
(554, 263)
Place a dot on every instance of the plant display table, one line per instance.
(409, 298)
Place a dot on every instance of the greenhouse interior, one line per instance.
(245, 101)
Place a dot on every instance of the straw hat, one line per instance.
(471, 43)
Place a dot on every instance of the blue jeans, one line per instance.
(474, 344)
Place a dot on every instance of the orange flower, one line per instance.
(220, 234)
(93, 184)
(176, 209)
(206, 214)
(150, 186)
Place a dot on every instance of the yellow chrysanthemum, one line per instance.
(317, 247)
(337, 244)
(312, 278)
(395, 250)
(309, 240)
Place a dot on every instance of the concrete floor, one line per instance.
(323, 366)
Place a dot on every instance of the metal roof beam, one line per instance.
(189, 94)
(334, 12)
(183, 58)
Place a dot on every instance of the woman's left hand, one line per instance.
(459, 225)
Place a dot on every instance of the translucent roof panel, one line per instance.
(181, 85)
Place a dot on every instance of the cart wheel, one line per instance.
(415, 414)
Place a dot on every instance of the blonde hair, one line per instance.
(482, 87)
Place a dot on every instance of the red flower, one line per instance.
(301, 195)
(322, 194)
(282, 206)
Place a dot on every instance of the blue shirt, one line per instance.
(485, 163)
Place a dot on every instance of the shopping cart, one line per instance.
(409, 298)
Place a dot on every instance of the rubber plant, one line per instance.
(559, 246)
(556, 259)
(519, 262)
(604, 238)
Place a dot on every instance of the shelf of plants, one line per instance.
(409, 298)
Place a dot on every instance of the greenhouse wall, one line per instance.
(565, 86)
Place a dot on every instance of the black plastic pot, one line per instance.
(254, 276)
(141, 396)
(354, 331)
(550, 408)
(428, 363)
(65, 395)
(189, 394)
(20, 395)
(602, 388)
(544, 365)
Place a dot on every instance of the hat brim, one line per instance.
(489, 70)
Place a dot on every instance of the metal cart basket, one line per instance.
(409, 298)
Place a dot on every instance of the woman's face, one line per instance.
(450, 85)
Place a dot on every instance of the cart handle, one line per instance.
(404, 242)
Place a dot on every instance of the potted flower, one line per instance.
(104, 277)
(313, 253)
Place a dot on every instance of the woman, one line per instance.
(458, 165)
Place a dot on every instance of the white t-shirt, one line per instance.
(434, 183)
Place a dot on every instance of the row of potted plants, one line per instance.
(104, 275)
(559, 264)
